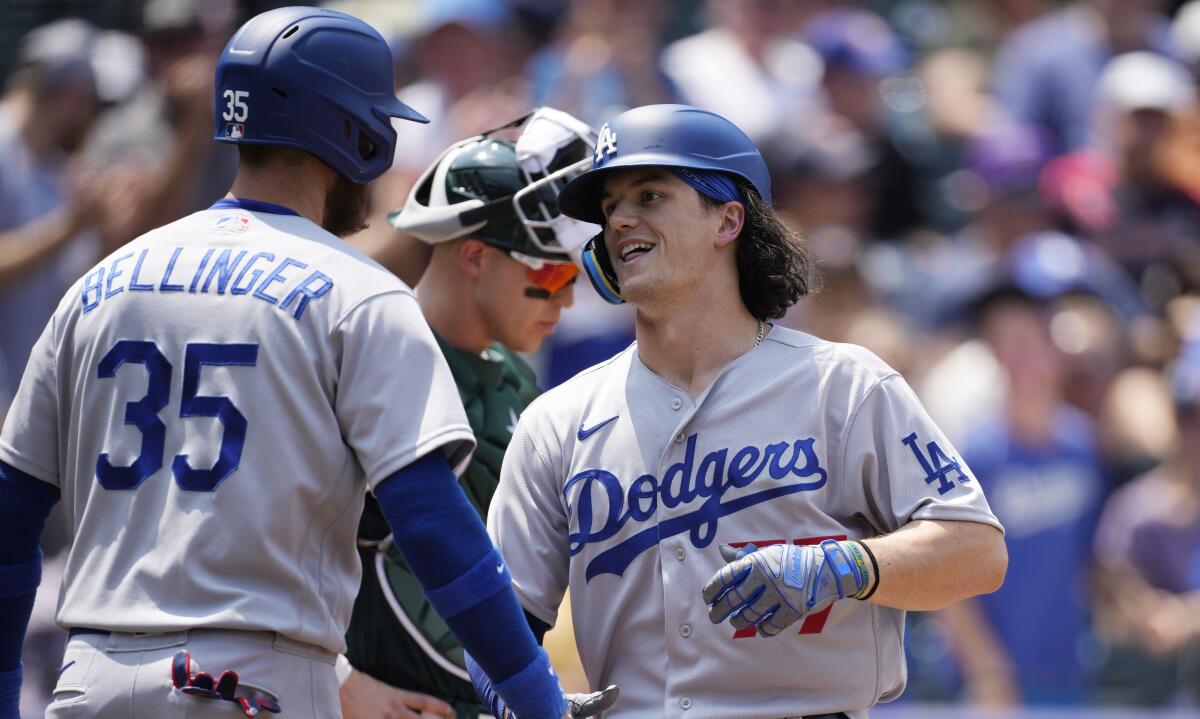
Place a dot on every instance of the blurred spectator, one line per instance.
(604, 61)
(1090, 301)
(1041, 469)
(1152, 227)
(747, 66)
(820, 173)
(1185, 34)
(995, 187)
(55, 220)
(1137, 422)
(161, 139)
(1148, 556)
(468, 56)
(1047, 72)
(978, 24)
(859, 52)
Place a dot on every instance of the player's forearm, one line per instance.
(444, 542)
(25, 503)
(928, 564)
(483, 683)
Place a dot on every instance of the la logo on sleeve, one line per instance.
(937, 465)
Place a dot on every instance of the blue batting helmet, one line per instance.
(657, 136)
(665, 136)
(318, 80)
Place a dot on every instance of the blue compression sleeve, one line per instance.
(481, 682)
(25, 503)
(10, 692)
(446, 545)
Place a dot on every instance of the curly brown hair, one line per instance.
(773, 263)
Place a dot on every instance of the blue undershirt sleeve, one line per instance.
(25, 502)
(447, 547)
(481, 682)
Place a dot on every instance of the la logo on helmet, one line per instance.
(606, 144)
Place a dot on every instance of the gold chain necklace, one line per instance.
(758, 341)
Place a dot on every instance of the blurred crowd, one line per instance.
(1004, 197)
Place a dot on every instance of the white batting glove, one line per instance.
(592, 703)
(772, 588)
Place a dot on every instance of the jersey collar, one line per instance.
(238, 203)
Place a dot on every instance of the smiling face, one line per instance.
(664, 241)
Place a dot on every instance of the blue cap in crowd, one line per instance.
(857, 40)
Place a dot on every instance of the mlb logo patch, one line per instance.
(235, 130)
(233, 223)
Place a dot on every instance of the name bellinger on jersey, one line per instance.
(191, 269)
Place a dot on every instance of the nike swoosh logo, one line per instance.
(585, 433)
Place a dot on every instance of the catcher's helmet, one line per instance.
(657, 136)
(504, 193)
(318, 80)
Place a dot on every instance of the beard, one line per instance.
(345, 208)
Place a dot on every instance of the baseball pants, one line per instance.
(128, 676)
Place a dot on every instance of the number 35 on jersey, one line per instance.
(144, 413)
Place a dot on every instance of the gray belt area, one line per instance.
(314, 651)
(132, 641)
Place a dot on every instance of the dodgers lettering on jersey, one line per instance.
(228, 386)
(683, 483)
(622, 487)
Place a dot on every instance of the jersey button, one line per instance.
(685, 631)
(676, 403)
(679, 438)
(679, 553)
(685, 703)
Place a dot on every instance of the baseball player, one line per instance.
(742, 512)
(211, 401)
(499, 278)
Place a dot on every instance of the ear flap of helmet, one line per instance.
(599, 269)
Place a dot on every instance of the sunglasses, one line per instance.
(544, 274)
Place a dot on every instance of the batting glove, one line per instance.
(202, 686)
(772, 588)
(592, 703)
(582, 705)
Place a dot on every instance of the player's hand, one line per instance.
(583, 705)
(772, 588)
(365, 697)
(592, 703)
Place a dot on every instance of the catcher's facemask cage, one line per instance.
(547, 232)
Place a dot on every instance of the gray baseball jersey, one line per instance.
(621, 486)
(213, 400)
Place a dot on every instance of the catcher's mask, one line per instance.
(505, 194)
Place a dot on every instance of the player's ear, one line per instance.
(471, 255)
(732, 217)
